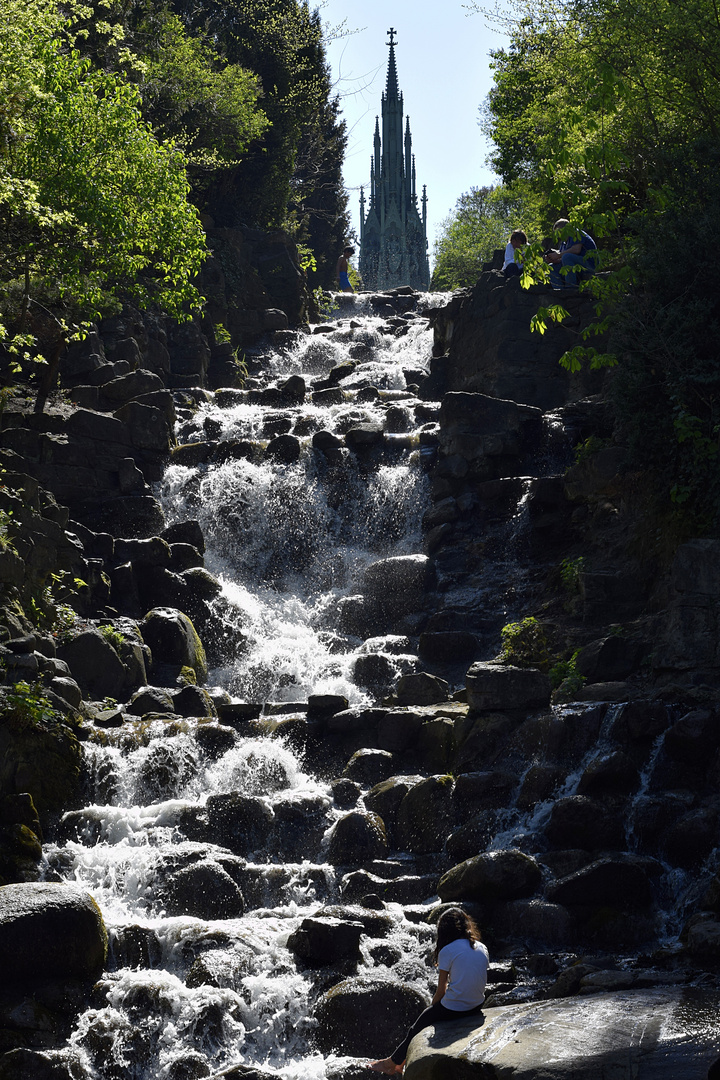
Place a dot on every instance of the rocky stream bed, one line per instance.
(275, 737)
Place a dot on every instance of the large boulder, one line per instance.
(174, 640)
(204, 890)
(659, 1034)
(50, 931)
(502, 686)
(357, 837)
(397, 585)
(319, 941)
(619, 882)
(366, 1016)
(95, 665)
(41, 760)
(578, 821)
(423, 817)
(491, 877)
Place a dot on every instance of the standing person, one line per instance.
(341, 272)
(512, 267)
(462, 962)
(577, 250)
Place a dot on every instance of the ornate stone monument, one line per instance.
(393, 234)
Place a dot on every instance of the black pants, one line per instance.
(434, 1015)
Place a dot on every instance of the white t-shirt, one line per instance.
(467, 965)
(510, 256)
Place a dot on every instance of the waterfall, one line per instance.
(188, 994)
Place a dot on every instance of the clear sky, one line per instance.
(444, 75)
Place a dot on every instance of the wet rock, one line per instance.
(701, 934)
(184, 556)
(201, 585)
(448, 647)
(423, 817)
(609, 659)
(346, 793)
(325, 440)
(362, 436)
(165, 769)
(489, 790)
(580, 822)
(43, 761)
(614, 772)
(538, 923)
(474, 836)
(385, 798)
(539, 783)
(185, 532)
(331, 395)
(205, 891)
(150, 699)
(502, 686)
(358, 837)
(293, 389)
(369, 766)
(95, 665)
(398, 730)
(326, 704)
(377, 671)
(50, 931)
(215, 739)
(421, 689)
(222, 968)
(694, 737)
(398, 584)
(435, 744)
(241, 823)
(479, 740)
(612, 882)
(284, 448)
(67, 689)
(320, 941)
(364, 1016)
(660, 1032)
(174, 640)
(24, 1064)
(193, 701)
(688, 841)
(491, 877)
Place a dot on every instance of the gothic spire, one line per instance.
(392, 90)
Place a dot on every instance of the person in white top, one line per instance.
(462, 962)
(512, 267)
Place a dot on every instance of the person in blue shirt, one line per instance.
(462, 962)
(343, 266)
(577, 250)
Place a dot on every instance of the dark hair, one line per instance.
(452, 925)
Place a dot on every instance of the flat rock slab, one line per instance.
(663, 1034)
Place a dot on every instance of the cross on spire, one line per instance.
(392, 32)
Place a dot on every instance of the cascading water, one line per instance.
(186, 993)
(289, 541)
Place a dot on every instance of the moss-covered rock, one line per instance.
(39, 751)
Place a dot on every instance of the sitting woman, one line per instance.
(462, 962)
(512, 267)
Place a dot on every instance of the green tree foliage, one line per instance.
(481, 222)
(608, 110)
(281, 42)
(91, 204)
(667, 386)
(190, 95)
